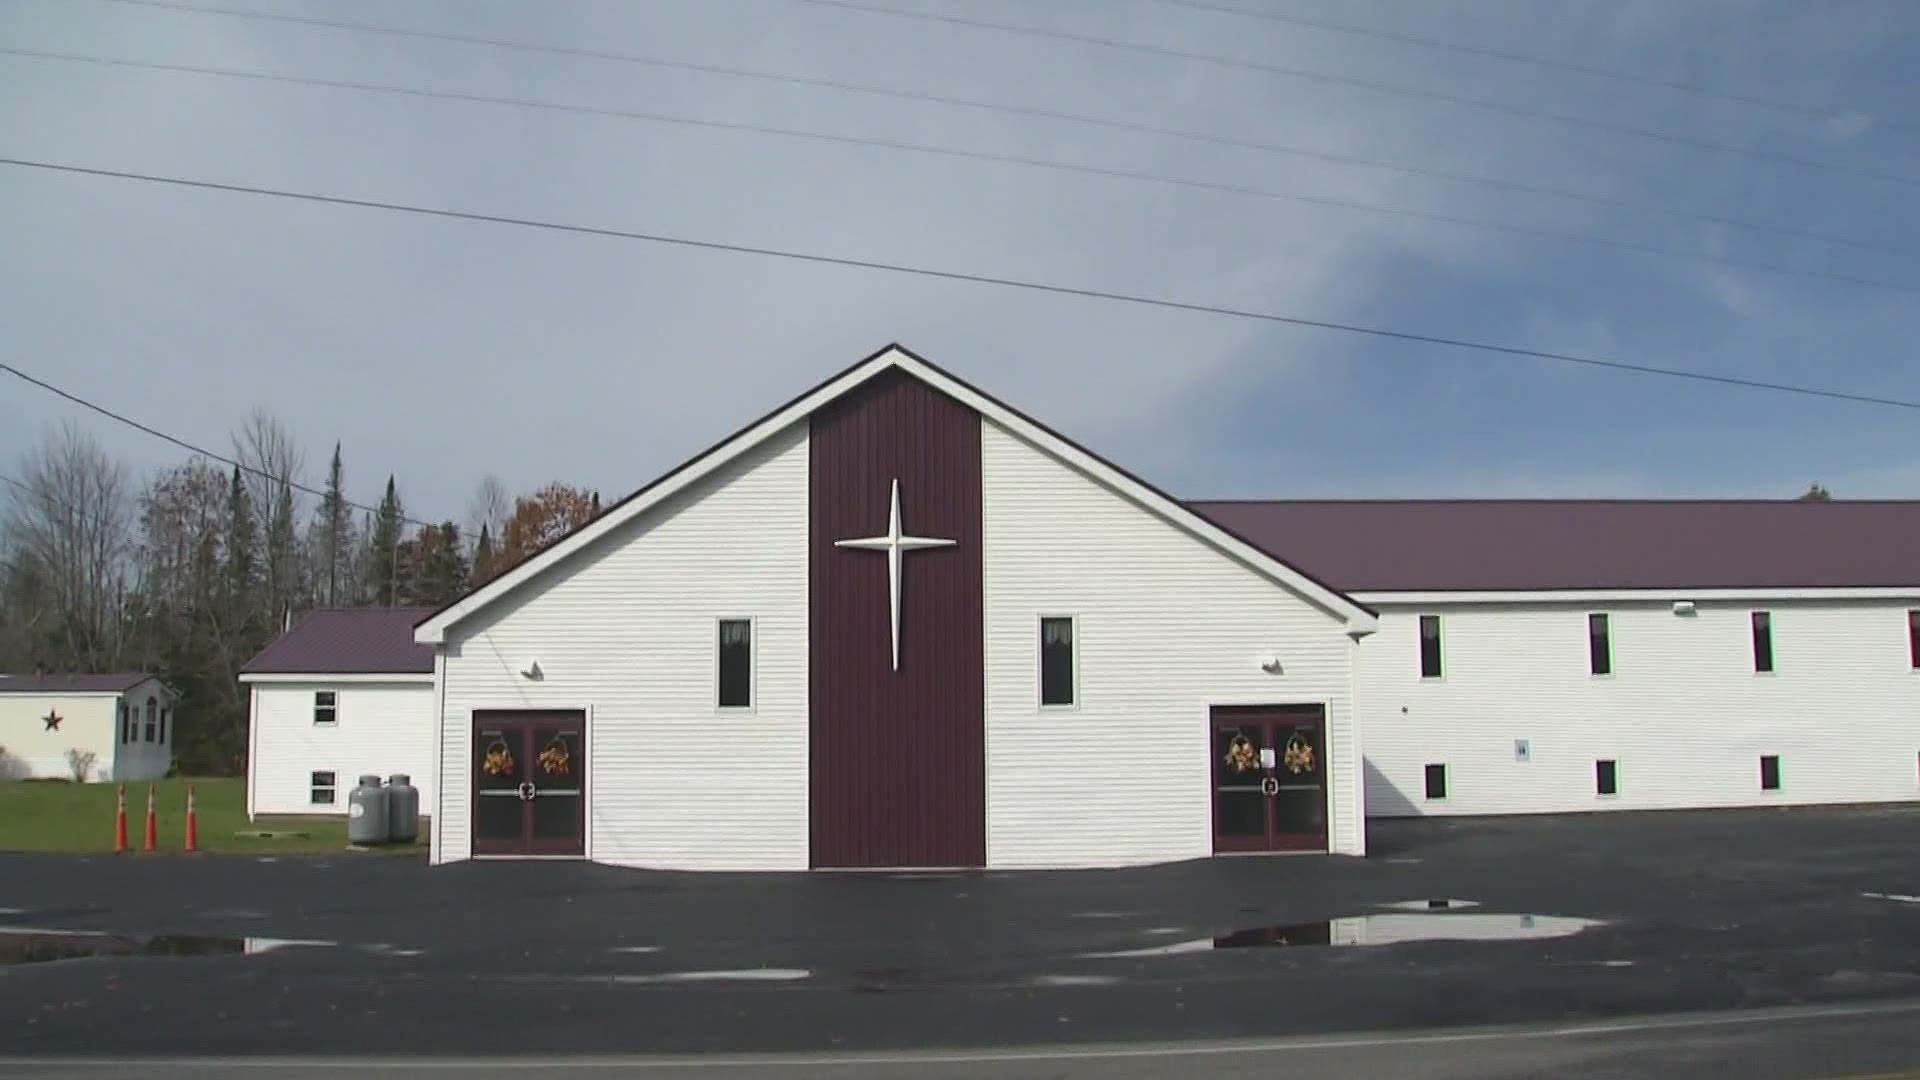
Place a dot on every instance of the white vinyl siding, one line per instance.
(90, 724)
(380, 729)
(1684, 715)
(1166, 626)
(626, 627)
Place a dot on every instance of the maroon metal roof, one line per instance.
(72, 684)
(1468, 545)
(373, 641)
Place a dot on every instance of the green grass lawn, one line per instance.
(56, 816)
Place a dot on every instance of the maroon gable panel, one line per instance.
(898, 758)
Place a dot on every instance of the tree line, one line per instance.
(192, 571)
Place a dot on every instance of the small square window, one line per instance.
(323, 788)
(1056, 661)
(1436, 781)
(1606, 777)
(326, 707)
(1762, 641)
(1429, 646)
(1770, 773)
(1599, 644)
(735, 662)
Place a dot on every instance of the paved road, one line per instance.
(1689, 912)
(1870, 1041)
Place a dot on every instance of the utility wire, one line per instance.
(960, 276)
(1517, 57)
(980, 155)
(1375, 86)
(1109, 123)
(182, 443)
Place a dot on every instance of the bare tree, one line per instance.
(490, 508)
(69, 536)
(271, 462)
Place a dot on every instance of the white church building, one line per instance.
(896, 623)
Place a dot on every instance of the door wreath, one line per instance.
(1299, 756)
(555, 759)
(498, 760)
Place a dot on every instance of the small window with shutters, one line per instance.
(734, 665)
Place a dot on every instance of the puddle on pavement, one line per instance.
(739, 975)
(1898, 898)
(1438, 904)
(28, 946)
(1374, 930)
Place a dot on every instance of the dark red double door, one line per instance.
(1269, 778)
(529, 783)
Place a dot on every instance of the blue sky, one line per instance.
(443, 351)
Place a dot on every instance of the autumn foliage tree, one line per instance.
(541, 518)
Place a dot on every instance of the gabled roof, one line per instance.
(113, 683)
(348, 641)
(1358, 618)
(1449, 545)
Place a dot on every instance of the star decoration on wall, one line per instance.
(52, 720)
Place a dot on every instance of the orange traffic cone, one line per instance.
(120, 823)
(153, 829)
(193, 826)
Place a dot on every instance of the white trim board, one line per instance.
(1359, 620)
(338, 677)
(1648, 596)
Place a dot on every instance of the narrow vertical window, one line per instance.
(1599, 645)
(1606, 777)
(153, 717)
(321, 787)
(326, 707)
(1436, 781)
(736, 664)
(1762, 641)
(1770, 773)
(1913, 638)
(164, 713)
(126, 723)
(1429, 646)
(1056, 661)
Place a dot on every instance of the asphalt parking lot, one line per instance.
(1552, 918)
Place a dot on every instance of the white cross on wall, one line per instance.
(894, 543)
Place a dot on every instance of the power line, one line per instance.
(1516, 57)
(981, 155)
(1374, 86)
(843, 86)
(971, 278)
(176, 440)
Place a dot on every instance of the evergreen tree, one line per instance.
(283, 557)
(443, 566)
(482, 559)
(332, 544)
(383, 546)
(241, 539)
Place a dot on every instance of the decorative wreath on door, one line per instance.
(1299, 755)
(498, 760)
(1241, 755)
(555, 759)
